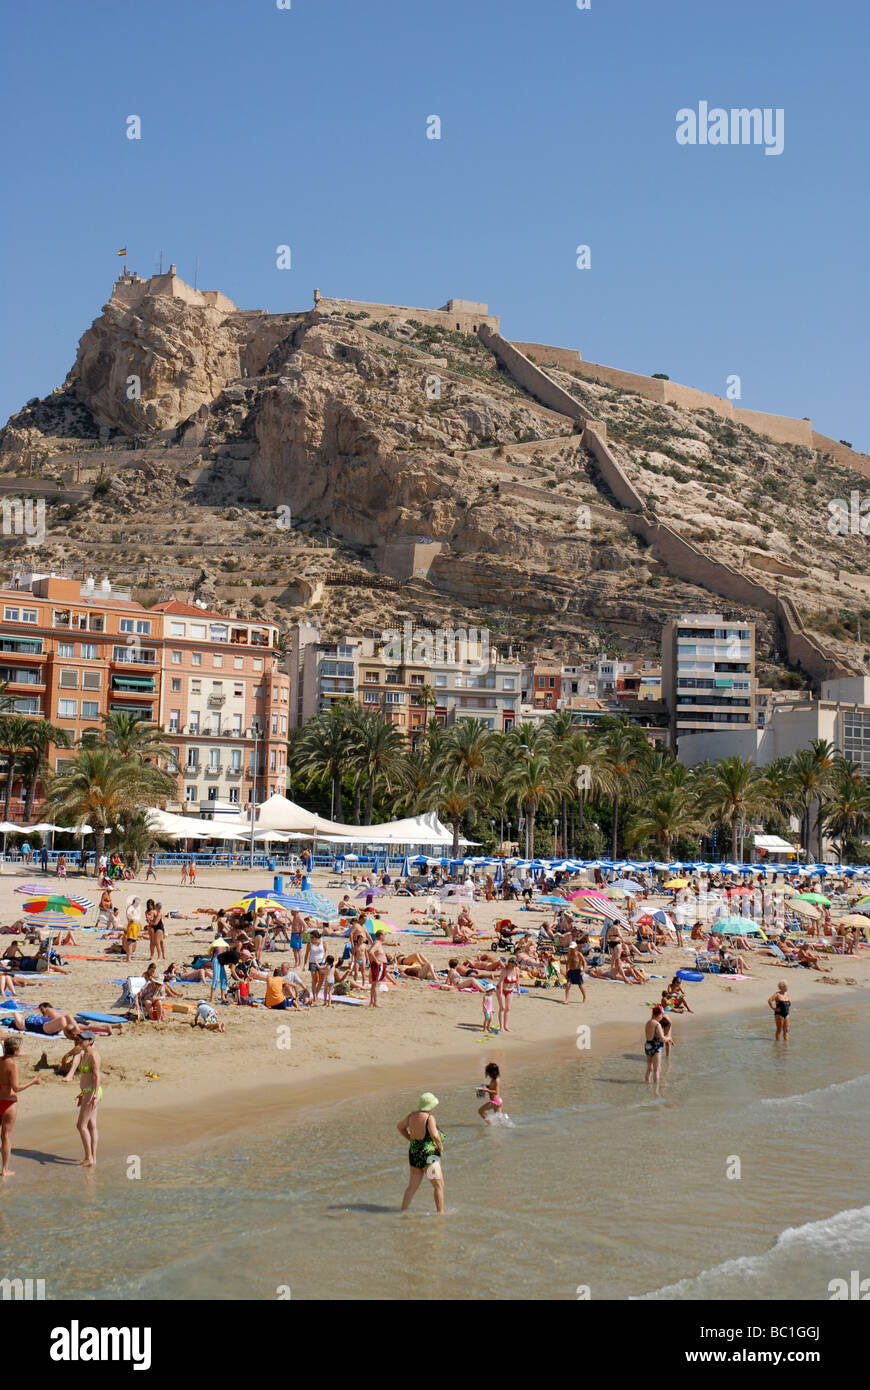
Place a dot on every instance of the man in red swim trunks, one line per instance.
(377, 958)
(10, 1090)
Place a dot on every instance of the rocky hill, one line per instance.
(269, 463)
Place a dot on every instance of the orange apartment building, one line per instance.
(71, 652)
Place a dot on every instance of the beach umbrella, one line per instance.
(252, 901)
(803, 909)
(37, 891)
(853, 919)
(627, 885)
(677, 883)
(663, 919)
(549, 900)
(55, 910)
(307, 901)
(372, 892)
(735, 926)
(818, 898)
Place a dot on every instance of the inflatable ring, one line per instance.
(694, 975)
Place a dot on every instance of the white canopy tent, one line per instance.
(280, 819)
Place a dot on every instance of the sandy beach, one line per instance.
(211, 1083)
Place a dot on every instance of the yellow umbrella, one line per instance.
(677, 883)
(803, 909)
(853, 919)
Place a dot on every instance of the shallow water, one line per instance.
(596, 1184)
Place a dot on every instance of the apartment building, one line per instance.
(224, 704)
(72, 652)
(542, 685)
(708, 674)
(66, 654)
(402, 685)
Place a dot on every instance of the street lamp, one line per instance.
(256, 735)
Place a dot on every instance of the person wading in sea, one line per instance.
(10, 1090)
(424, 1153)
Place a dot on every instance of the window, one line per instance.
(212, 793)
(258, 691)
(258, 665)
(238, 690)
(92, 680)
(218, 632)
(440, 680)
(283, 723)
(11, 614)
(196, 658)
(237, 723)
(551, 682)
(233, 796)
(197, 631)
(29, 615)
(126, 625)
(509, 683)
(190, 794)
(214, 759)
(90, 709)
(395, 697)
(273, 764)
(69, 677)
(177, 629)
(195, 687)
(193, 758)
(274, 723)
(66, 649)
(90, 736)
(89, 651)
(95, 624)
(67, 709)
(63, 763)
(236, 759)
(175, 683)
(370, 697)
(194, 722)
(217, 659)
(174, 720)
(371, 677)
(176, 658)
(239, 663)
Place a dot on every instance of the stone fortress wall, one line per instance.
(457, 315)
(781, 428)
(130, 291)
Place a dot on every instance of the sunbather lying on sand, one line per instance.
(415, 966)
(807, 957)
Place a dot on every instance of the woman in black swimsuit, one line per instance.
(158, 933)
(781, 1005)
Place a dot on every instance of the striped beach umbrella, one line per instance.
(55, 910)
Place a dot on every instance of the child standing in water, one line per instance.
(781, 1005)
(491, 1088)
(667, 1027)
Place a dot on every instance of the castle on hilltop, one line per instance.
(526, 362)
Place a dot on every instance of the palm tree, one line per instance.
(810, 779)
(847, 811)
(379, 757)
(106, 789)
(734, 790)
(623, 748)
(322, 750)
(16, 737)
(824, 756)
(450, 797)
(669, 812)
(535, 782)
(34, 764)
(132, 736)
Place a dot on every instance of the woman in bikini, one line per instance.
(507, 985)
(654, 1041)
(10, 1090)
(90, 1094)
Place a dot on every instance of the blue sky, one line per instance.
(307, 127)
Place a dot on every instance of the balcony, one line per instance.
(234, 771)
(213, 770)
(216, 701)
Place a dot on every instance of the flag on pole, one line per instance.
(123, 251)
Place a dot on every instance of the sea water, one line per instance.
(747, 1179)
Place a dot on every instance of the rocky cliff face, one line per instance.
(365, 432)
